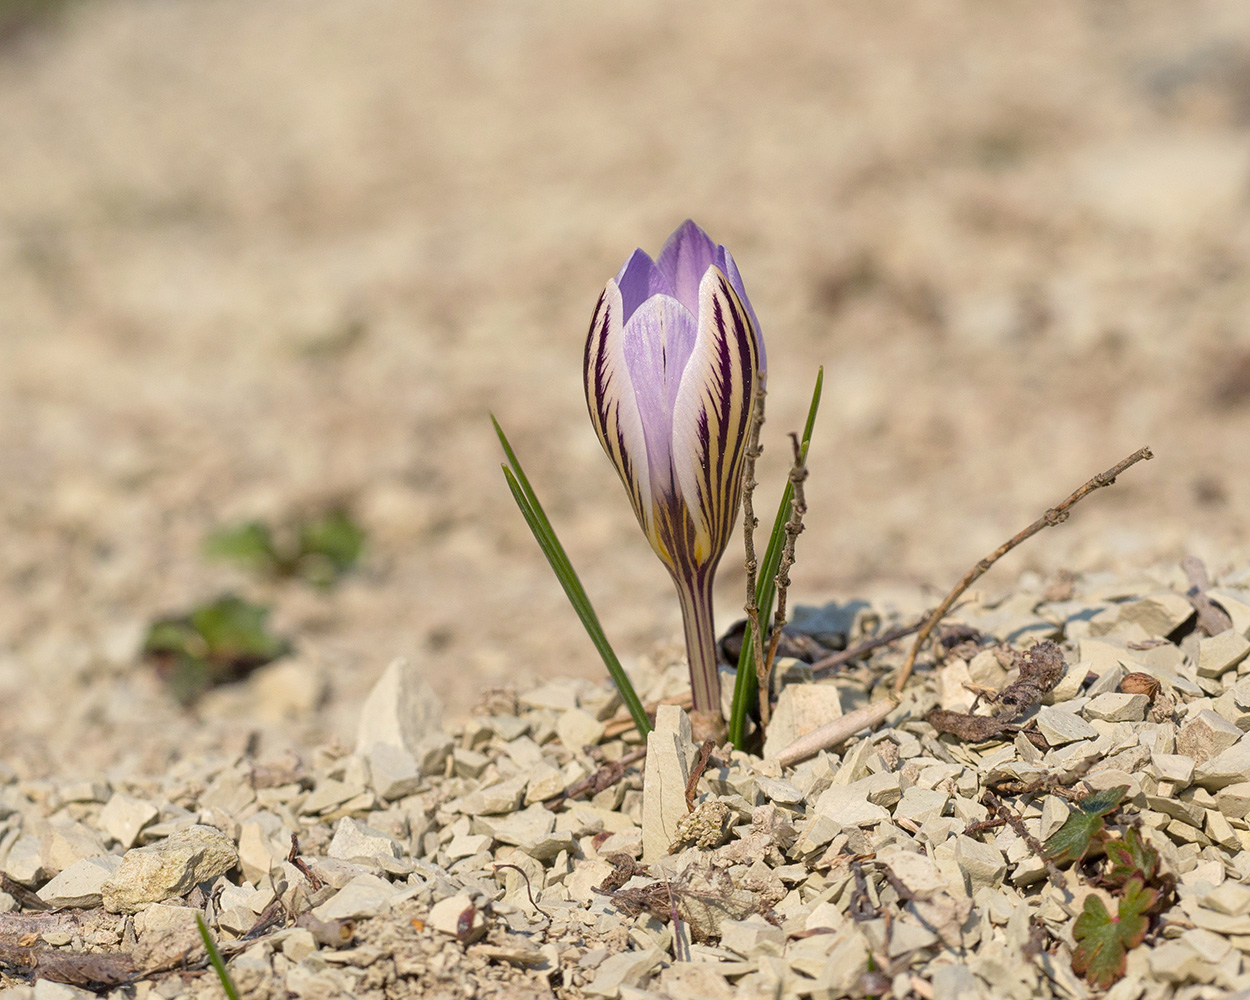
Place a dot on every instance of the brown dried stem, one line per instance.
(835, 660)
(1055, 515)
(750, 522)
(793, 526)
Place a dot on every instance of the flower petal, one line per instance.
(613, 405)
(686, 256)
(712, 415)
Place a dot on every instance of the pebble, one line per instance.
(168, 868)
(800, 709)
(665, 776)
(355, 841)
(123, 818)
(401, 709)
(80, 885)
(1220, 653)
(393, 771)
(1112, 706)
(365, 895)
(577, 729)
(1206, 734)
(1060, 726)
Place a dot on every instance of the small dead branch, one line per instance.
(1041, 667)
(835, 660)
(1000, 811)
(749, 523)
(696, 772)
(1055, 515)
(528, 891)
(607, 776)
(1212, 619)
(793, 526)
(835, 732)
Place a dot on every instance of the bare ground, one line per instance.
(257, 256)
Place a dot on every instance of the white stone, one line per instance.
(123, 817)
(80, 884)
(364, 896)
(1060, 726)
(1227, 768)
(1159, 614)
(168, 868)
(848, 805)
(752, 937)
(356, 841)
(800, 709)
(1206, 734)
(665, 776)
(458, 917)
(401, 709)
(1114, 706)
(578, 729)
(393, 771)
(1222, 652)
(626, 968)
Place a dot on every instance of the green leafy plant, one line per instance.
(214, 956)
(539, 524)
(1103, 941)
(745, 685)
(1083, 832)
(1132, 876)
(213, 643)
(319, 549)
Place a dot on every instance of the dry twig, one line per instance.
(793, 526)
(750, 522)
(835, 660)
(1056, 515)
(835, 732)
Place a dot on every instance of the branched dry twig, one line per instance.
(750, 522)
(1056, 515)
(835, 660)
(794, 525)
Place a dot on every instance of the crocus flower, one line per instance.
(672, 362)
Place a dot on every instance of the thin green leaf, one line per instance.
(527, 500)
(745, 686)
(1083, 829)
(1103, 941)
(214, 956)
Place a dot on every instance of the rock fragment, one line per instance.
(168, 868)
(665, 777)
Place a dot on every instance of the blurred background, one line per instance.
(265, 257)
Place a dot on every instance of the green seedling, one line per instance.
(214, 643)
(319, 550)
(1103, 941)
(1083, 834)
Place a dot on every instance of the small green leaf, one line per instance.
(319, 549)
(1083, 830)
(250, 543)
(1103, 941)
(1132, 856)
(213, 643)
(329, 547)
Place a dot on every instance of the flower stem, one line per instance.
(696, 615)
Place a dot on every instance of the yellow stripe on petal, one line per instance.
(712, 416)
(613, 406)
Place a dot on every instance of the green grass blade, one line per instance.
(766, 586)
(545, 535)
(214, 956)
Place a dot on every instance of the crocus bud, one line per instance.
(672, 362)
